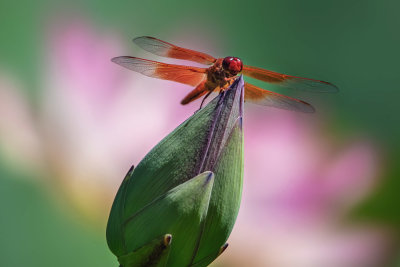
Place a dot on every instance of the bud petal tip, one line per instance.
(209, 178)
(130, 170)
(167, 240)
(223, 248)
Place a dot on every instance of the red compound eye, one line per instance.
(232, 64)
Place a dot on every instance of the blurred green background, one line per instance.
(353, 44)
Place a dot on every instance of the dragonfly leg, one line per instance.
(204, 98)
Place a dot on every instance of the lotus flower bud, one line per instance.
(178, 207)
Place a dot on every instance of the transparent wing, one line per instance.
(164, 49)
(288, 81)
(260, 96)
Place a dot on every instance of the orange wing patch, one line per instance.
(288, 81)
(178, 73)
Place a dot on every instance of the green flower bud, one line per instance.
(178, 207)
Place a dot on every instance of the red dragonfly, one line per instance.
(219, 76)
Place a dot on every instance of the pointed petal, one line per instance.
(207, 260)
(225, 201)
(188, 202)
(114, 229)
(153, 254)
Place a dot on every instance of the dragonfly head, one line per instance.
(233, 65)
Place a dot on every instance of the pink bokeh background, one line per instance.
(95, 119)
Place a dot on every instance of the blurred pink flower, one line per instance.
(19, 140)
(94, 119)
(298, 189)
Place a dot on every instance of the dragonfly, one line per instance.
(221, 73)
